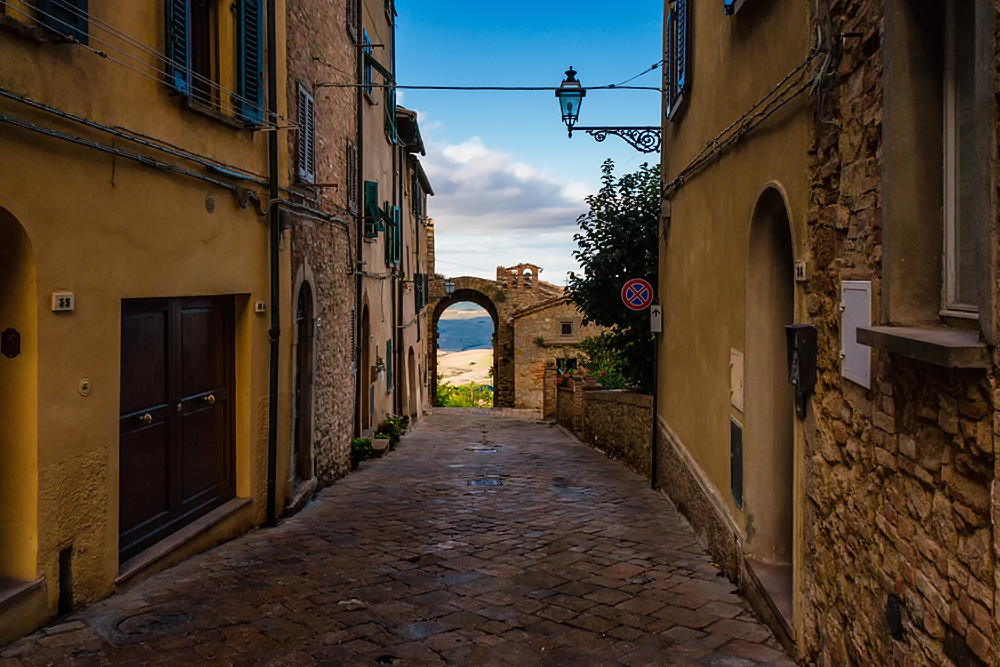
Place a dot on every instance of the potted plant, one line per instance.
(361, 450)
(388, 429)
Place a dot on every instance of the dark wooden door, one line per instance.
(176, 450)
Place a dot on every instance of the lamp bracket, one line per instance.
(643, 139)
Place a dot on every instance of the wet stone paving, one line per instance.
(484, 539)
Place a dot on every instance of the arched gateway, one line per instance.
(515, 288)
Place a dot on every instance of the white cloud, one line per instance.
(490, 210)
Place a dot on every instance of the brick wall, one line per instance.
(619, 423)
(319, 51)
(569, 408)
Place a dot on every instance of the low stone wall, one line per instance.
(569, 408)
(619, 423)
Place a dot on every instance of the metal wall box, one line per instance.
(856, 311)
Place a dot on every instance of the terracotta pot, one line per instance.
(590, 380)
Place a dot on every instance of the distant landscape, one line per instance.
(465, 346)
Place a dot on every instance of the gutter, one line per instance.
(359, 198)
(274, 233)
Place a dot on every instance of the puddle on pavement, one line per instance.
(485, 482)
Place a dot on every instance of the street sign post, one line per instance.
(637, 294)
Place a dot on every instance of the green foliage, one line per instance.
(539, 341)
(470, 395)
(361, 449)
(389, 428)
(618, 241)
(603, 357)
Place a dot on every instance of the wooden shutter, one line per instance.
(678, 50)
(368, 64)
(352, 177)
(397, 245)
(390, 113)
(179, 46)
(371, 212)
(307, 136)
(65, 17)
(388, 364)
(251, 69)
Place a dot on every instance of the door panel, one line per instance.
(176, 435)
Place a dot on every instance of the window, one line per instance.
(676, 54)
(566, 328)
(368, 64)
(961, 261)
(937, 139)
(372, 215)
(393, 234)
(390, 113)
(352, 18)
(352, 177)
(193, 57)
(307, 136)
(416, 196)
(65, 17)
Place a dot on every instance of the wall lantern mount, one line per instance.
(571, 93)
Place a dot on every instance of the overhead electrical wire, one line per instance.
(652, 67)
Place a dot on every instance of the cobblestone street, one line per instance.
(482, 540)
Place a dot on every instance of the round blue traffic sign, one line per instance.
(637, 294)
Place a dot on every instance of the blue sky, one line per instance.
(509, 184)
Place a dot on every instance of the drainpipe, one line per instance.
(397, 292)
(274, 221)
(359, 197)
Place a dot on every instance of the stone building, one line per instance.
(842, 177)
(545, 335)
(322, 45)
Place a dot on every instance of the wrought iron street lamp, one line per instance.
(571, 93)
(449, 287)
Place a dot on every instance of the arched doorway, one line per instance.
(412, 391)
(480, 299)
(18, 402)
(770, 414)
(305, 355)
(366, 369)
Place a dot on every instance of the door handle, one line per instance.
(210, 399)
(146, 419)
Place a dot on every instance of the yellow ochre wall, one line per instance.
(107, 229)
(703, 265)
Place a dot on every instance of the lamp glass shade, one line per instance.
(449, 287)
(570, 95)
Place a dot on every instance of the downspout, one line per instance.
(274, 221)
(359, 197)
(397, 292)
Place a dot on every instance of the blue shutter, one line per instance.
(729, 6)
(65, 17)
(178, 46)
(368, 64)
(677, 55)
(251, 68)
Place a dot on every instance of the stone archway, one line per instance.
(515, 288)
(474, 290)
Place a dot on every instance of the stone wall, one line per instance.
(619, 424)
(897, 478)
(317, 42)
(569, 408)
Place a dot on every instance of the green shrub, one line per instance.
(361, 449)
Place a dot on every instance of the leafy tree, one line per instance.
(617, 242)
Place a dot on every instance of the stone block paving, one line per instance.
(481, 541)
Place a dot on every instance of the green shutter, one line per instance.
(371, 212)
(251, 62)
(388, 363)
(397, 224)
(178, 46)
(390, 112)
(390, 234)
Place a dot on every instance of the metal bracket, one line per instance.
(643, 139)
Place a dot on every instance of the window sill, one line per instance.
(206, 110)
(33, 33)
(942, 346)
